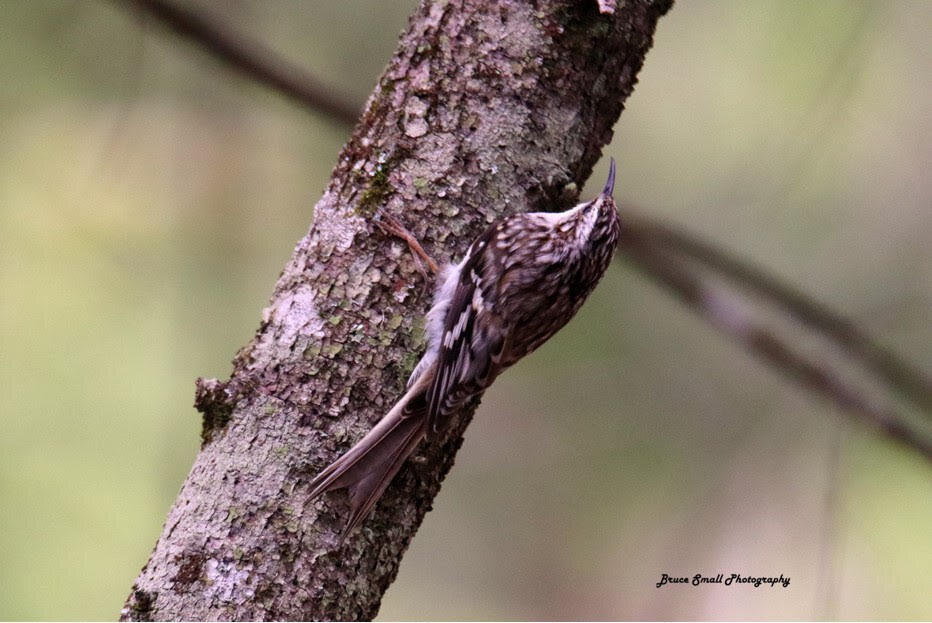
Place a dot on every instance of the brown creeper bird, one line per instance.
(519, 283)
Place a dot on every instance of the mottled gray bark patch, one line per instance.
(486, 108)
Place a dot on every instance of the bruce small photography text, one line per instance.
(730, 579)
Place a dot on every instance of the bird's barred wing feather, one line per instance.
(473, 338)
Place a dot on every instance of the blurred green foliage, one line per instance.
(149, 197)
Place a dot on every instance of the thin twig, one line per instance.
(248, 56)
(827, 586)
(818, 120)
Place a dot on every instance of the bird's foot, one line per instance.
(389, 225)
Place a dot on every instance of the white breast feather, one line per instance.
(449, 277)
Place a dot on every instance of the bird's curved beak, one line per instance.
(610, 182)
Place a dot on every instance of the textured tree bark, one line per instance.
(486, 108)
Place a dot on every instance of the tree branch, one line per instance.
(485, 108)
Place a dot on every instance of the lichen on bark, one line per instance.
(486, 108)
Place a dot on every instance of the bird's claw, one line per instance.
(422, 261)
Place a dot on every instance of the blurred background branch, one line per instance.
(729, 312)
(248, 56)
(664, 252)
(884, 363)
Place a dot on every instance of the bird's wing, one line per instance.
(473, 338)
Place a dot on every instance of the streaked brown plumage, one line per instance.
(521, 280)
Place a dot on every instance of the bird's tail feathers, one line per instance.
(367, 468)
